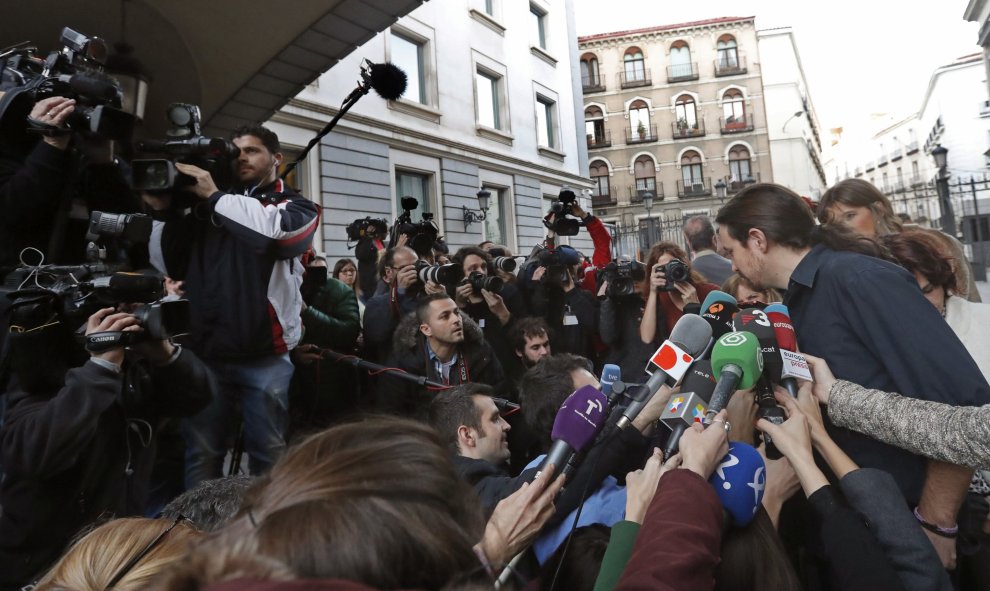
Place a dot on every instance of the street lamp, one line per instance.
(720, 190)
(471, 216)
(940, 154)
(796, 114)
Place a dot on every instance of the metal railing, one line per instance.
(696, 188)
(896, 154)
(733, 186)
(682, 72)
(602, 200)
(635, 79)
(912, 147)
(682, 129)
(639, 136)
(882, 161)
(639, 190)
(600, 141)
(729, 65)
(736, 124)
(593, 83)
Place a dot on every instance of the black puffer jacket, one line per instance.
(410, 354)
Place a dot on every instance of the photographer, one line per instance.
(621, 314)
(674, 289)
(493, 304)
(571, 313)
(79, 443)
(239, 257)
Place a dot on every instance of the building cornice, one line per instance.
(654, 34)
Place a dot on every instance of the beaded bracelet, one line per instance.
(945, 532)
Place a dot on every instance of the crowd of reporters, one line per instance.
(410, 415)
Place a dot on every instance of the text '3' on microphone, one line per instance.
(737, 363)
(577, 422)
(671, 361)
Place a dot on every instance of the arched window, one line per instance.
(728, 52)
(594, 127)
(598, 171)
(639, 121)
(685, 116)
(734, 109)
(691, 172)
(680, 61)
(589, 71)
(646, 176)
(634, 66)
(740, 172)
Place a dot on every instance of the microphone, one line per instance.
(719, 315)
(128, 287)
(682, 411)
(756, 321)
(778, 307)
(739, 481)
(576, 423)
(794, 365)
(102, 88)
(700, 379)
(737, 364)
(717, 296)
(611, 373)
(689, 337)
(387, 79)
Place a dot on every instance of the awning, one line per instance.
(239, 60)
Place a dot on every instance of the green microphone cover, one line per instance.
(741, 349)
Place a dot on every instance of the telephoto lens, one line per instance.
(449, 274)
(480, 281)
(507, 264)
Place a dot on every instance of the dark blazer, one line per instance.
(715, 268)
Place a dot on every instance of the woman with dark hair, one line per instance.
(664, 307)
(345, 271)
(862, 208)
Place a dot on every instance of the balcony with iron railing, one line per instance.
(736, 124)
(641, 135)
(603, 140)
(591, 84)
(682, 129)
(695, 188)
(912, 147)
(734, 185)
(602, 200)
(870, 166)
(882, 161)
(897, 186)
(916, 180)
(682, 72)
(635, 79)
(643, 186)
(858, 172)
(730, 65)
(984, 108)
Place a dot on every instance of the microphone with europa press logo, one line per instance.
(737, 364)
(794, 365)
(670, 362)
(577, 422)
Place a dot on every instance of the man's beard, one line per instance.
(759, 269)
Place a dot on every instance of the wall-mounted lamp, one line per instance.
(471, 216)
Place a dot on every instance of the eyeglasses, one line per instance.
(140, 555)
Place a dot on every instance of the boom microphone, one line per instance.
(671, 361)
(739, 481)
(737, 364)
(387, 79)
(99, 87)
(578, 420)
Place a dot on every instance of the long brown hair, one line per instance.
(376, 502)
(859, 193)
(658, 250)
(787, 220)
(919, 251)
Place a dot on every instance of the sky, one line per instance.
(860, 56)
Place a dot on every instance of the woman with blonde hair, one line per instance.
(123, 555)
(862, 208)
(737, 287)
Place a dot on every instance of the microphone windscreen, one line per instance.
(758, 322)
(700, 379)
(611, 373)
(739, 481)
(784, 330)
(743, 350)
(717, 296)
(94, 85)
(388, 80)
(719, 316)
(692, 334)
(778, 307)
(580, 417)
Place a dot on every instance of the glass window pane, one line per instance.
(408, 55)
(487, 100)
(490, 7)
(410, 184)
(544, 123)
(495, 220)
(539, 27)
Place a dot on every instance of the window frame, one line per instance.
(542, 31)
(425, 37)
(483, 65)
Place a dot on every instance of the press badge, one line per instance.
(569, 319)
(481, 323)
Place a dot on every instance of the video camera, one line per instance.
(560, 208)
(449, 274)
(75, 72)
(676, 271)
(422, 235)
(186, 144)
(558, 262)
(366, 227)
(622, 278)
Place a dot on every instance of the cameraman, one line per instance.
(402, 289)
(77, 451)
(571, 312)
(621, 313)
(493, 312)
(667, 300)
(239, 255)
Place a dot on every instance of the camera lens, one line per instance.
(506, 264)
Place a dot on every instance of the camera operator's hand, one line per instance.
(106, 320)
(402, 240)
(54, 111)
(577, 212)
(685, 294)
(406, 277)
(658, 279)
(497, 305)
(539, 273)
(432, 288)
(204, 186)
(464, 295)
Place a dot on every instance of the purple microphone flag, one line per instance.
(580, 417)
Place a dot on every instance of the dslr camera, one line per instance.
(422, 234)
(560, 208)
(366, 227)
(676, 271)
(75, 72)
(480, 281)
(449, 274)
(622, 278)
(186, 144)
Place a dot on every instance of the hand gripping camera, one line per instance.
(676, 271)
(622, 278)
